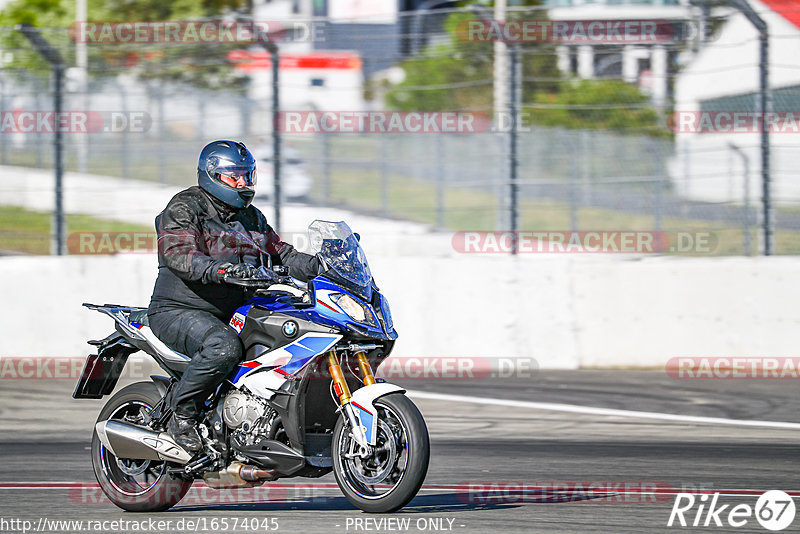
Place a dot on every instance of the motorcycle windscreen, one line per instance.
(338, 246)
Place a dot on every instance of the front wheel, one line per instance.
(392, 475)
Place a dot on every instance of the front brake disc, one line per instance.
(381, 467)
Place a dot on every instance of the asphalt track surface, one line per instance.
(494, 468)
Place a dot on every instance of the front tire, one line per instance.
(134, 485)
(392, 476)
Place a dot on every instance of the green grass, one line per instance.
(472, 209)
(28, 231)
(408, 198)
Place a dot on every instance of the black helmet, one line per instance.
(227, 159)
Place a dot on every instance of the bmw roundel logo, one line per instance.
(289, 329)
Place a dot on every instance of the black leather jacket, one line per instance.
(196, 235)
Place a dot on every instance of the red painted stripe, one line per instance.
(357, 404)
(247, 60)
(785, 8)
(281, 371)
(251, 365)
(330, 308)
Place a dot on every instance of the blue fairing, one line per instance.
(327, 315)
(341, 319)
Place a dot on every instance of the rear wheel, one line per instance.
(135, 485)
(392, 475)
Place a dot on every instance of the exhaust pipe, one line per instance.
(238, 475)
(126, 440)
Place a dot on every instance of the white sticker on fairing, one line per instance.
(237, 322)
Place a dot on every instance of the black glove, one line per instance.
(235, 270)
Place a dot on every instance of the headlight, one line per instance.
(357, 311)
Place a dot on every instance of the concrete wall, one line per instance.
(564, 311)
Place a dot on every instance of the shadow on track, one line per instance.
(439, 503)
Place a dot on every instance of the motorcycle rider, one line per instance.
(207, 234)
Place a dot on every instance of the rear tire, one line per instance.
(158, 491)
(402, 486)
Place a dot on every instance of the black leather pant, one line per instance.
(214, 347)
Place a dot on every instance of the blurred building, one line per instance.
(324, 80)
(648, 64)
(723, 79)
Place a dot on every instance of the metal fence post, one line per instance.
(58, 215)
(764, 107)
(514, 100)
(59, 226)
(276, 133)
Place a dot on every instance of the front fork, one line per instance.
(343, 393)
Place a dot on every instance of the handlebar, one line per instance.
(260, 283)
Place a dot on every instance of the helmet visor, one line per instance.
(249, 177)
(219, 167)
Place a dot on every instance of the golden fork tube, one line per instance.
(339, 383)
(366, 370)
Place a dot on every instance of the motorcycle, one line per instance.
(304, 402)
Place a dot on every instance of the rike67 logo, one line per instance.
(774, 510)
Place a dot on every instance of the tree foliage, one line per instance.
(458, 74)
(596, 104)
(200, 64)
